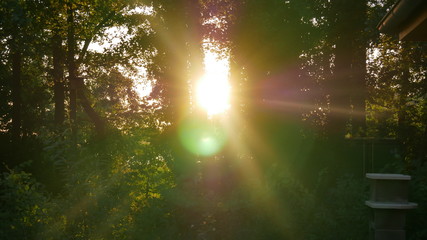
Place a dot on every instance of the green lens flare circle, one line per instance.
(201, 137)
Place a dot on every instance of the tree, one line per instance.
(396, 103)
(346, 27)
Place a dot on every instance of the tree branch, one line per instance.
(87, 107)
(95, 31)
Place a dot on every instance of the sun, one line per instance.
(213, 89)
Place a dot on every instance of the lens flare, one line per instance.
(201, 137)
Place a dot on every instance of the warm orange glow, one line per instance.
(213, 90)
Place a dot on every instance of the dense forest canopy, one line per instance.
(204, 119)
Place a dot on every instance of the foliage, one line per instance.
(342, 211)
(23, 205)
(418, 194)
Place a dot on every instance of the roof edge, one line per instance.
(400, 12)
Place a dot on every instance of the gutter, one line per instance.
(401, 11)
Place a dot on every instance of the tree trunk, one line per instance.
(422, 153)
(403, 132)
(72, 72)
(16, 89)
(72, 69)
(175, 78)
(358, 85)
(338, 89)
(347, 84)
(195, 39)
(85, 103)
(58, 78)
(77, 86)
(359, 93)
